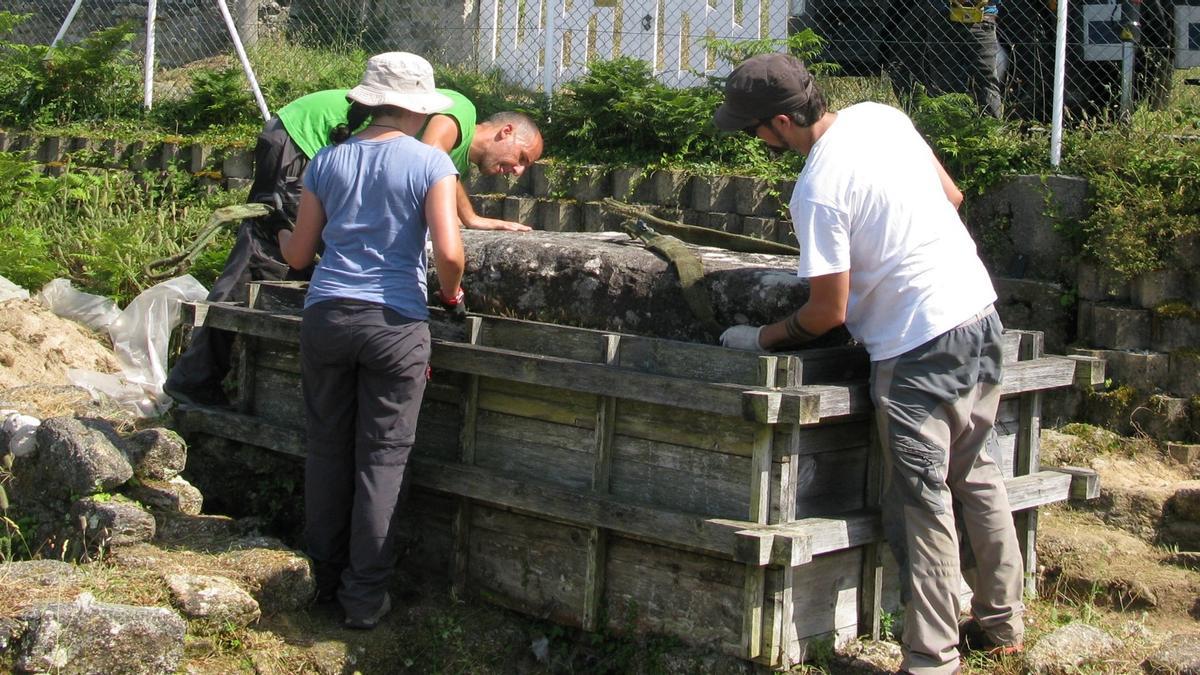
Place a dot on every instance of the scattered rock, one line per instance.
(10, 631)
(216, 599)
(93, 637)
(202, 532)
(1179, 654)
(156, 454)
(1185, 503)
(280, 578)
(175, 495)
(1069, 647)
(24, 573)
(869, 656)
(71, 459)
(112, 521)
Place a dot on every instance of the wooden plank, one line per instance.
(1089, 371)
(224, 316)
(758, 404)
(667, 424)
(1085, 482)
(246, 352)
(854, 400)
(831, 482)
(849, 530)
(1028, 456)
(467, 437)
(655, 589)
(538, 402)
(605, 429)
(522, 447)
(680, 478)
(536, 565)
(835, 608)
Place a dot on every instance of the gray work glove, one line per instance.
(742, 337)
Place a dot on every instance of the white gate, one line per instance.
(670, 35)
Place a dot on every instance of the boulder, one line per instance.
(1185, 503)
(1178, 654)
(1065, 649)
(71, 460)
(607, 281)
(279, 578)
(27, 573)
(213, 598)
(86, 636)
(175, 495)
(156, 454)
(112, 521)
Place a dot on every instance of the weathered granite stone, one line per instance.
(1036, 305)
(1185, 504)
(71, 460)
(213, 598)
(1141, 370)
(174, 495)
(1178, 654)
(609, 282)
(86, 636)
(1152, 289)
(279, 578)
(1063, 650)
(112, 522)
(156, 454)
(1115, 327)
(23, 573)
(1015, 224)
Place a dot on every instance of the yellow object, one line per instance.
(966, 13)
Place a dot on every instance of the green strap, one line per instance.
(177, 264)
(687, 266)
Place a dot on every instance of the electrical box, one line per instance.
(1187, 37)
(1102, 32)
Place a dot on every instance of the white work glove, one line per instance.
(742, 337)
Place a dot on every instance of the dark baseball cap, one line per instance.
(763, 86)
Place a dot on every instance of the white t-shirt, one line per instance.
(869, 201)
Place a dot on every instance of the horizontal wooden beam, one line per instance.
(1089, 371)
(859, 528)
(1085, 483)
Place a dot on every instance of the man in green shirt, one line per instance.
(504, 143)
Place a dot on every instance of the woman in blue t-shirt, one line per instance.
(364, 337)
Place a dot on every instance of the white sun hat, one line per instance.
(399, 79)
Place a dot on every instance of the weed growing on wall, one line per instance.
(100, 228)
(1145, 199)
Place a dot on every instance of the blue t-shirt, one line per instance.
(373, 193)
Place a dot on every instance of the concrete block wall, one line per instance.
(552, 197)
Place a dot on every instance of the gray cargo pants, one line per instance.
(936, 407)
(363, 370)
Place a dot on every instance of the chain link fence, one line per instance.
(1000, 51)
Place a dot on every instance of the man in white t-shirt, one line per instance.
(887, 255)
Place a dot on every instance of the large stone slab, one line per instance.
(94, 637)
(607, 281)
(157, 454)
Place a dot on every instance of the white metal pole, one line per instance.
(241, 52)
(65, 24)
(148, 61)
(549, 64)
(1060, 67)
(1126, 79)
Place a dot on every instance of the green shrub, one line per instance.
(94, 78)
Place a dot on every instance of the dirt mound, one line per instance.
(37, 347)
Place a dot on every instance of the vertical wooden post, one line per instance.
(760, 512)
(870, 606)
(1028, 459)
(466, 441)
(606, 423)
(247, 348)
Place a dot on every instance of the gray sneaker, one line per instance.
(369, 622)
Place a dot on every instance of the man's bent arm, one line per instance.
(828, 297)
(474, 221)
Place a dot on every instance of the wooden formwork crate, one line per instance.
(612, 481)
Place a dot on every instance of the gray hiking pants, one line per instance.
(364, 372)
(936, 407)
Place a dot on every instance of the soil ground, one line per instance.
(1098, 565)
